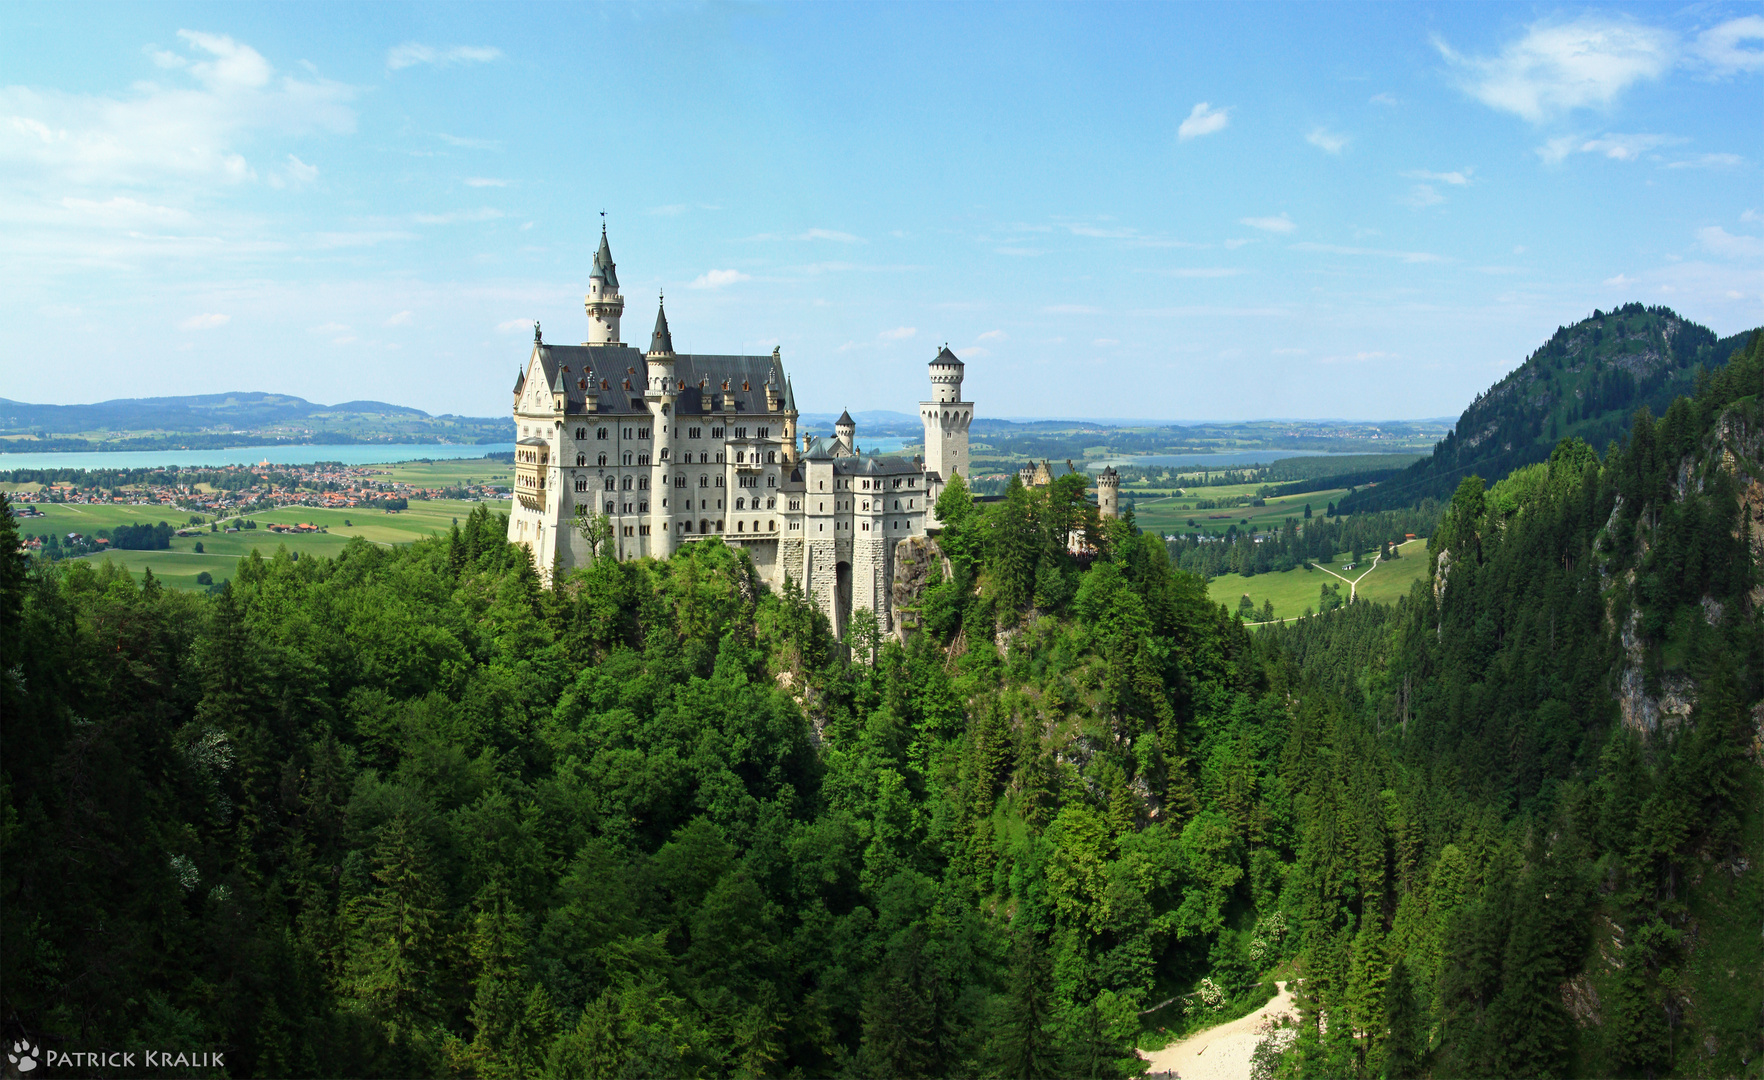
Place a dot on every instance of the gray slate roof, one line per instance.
(604, 370)
(603, 264)
(661, 341)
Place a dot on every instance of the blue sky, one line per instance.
(1172, 211)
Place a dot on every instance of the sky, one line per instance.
(1173, 211)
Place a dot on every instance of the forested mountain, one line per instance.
(407, 812)
(1584, 382)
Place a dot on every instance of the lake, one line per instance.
(350, 454)
(1234, 460)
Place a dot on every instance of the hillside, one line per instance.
(236, 419)
(1584, 382)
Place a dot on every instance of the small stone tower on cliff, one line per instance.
(946, 418)
(1108, 493)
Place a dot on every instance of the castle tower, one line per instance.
(1108, 493)
(661, 397)
(845, 433)
(603, 302)
(946, 418)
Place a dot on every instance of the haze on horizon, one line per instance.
(1177, 211)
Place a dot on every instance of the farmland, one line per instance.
(1294, 591)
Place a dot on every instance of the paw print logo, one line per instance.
(23, 1055)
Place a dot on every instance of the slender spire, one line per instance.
(661, 342)
(604, 269)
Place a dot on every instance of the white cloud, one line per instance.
(1558, 67)
(194, 131)
(1203, 119)
(411, 53)
(1718, 241)
(204, 322)
(1751, 215)
(1337, 249)
(1627, 147)
(484, 181)
(992, 335)
(717, 279)
(1382, 99)
(509, 326)
(1281, 224)
(899, 333)
(294, 172)
(454, 217)
(121, 210)
(1333, 142)
(467, 143)
(401, 319)
(1457, 177)
(1719, 47)
(1619, 282)
(1422, 196)
(1707, 161)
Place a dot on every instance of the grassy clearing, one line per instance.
(221, 550)
(1293, 591)
(1170, 514)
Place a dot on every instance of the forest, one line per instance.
(407, 811)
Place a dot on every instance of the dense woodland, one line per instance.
(408, 812)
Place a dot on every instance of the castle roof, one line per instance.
(876, 466)
(619, 376)
(603, 264)
(661, 341)
(845, 420)
(944, 356)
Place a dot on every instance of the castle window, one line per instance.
(741, 433)
(719, 457)
(609, 508)
(740, 504)
(763, 432)
(771, 504)
(627, 509)
(693, 433)
(909, 504)
(627, 484)
(716, 433)
(642, 459)
(643, 483)
(823, 485)
(771, 481)
(740, 457)
(602, 461)
(796, 504)
(611, 484)
(740, 526)
(600, 433)
(719, 504)
(643, 508)
(720, 482)
(581, 459)
(771, 526)
(664, 454)
(581, 433)
(866, 526)
(912, 482)
(643, 433)
(581, 483)
(771, 457)
(704, 481)
(680, 481)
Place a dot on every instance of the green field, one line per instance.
(180, 565)
(1293, 591)
(1165, 513)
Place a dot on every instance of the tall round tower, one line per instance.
(1108, 493)
(603, 302)
(845, 432)
(946, 417)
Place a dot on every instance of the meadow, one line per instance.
(1292, 591)
(179, 566)
(1160, 510)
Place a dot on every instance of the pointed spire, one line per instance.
(661, 342)
(603, 262)
(789, 395)
(845, 420)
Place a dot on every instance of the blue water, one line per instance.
(359, 454)
(1233, 460)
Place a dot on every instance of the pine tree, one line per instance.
(398, 937)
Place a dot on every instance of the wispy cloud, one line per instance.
(717, 279)
(205, 322)
(832, 234)
(1203, 119)
(401, 319)
(899, 333)
(1557, 67)
(1721, 47)
(484, 181)
(1422, 196)
(1281, 224)
(1707, 161)
(455, 217)
(509, 326)
(1718, 241)
(1382, 99)
(1628, 147)
(1331, 142)
(468, 143)
(1619, 282)
(412, 53)
(1457, 177)
(1382, 253)
(1356, 357)
(992, 335)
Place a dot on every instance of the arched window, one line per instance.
(581, 459)
(609, 507)
(703, 481)
(611, 484)
(627, 484)
(741, 526)
(602, 461)
(664, 456)
(771, 503)
(703, 525)
(581, 483)
(627, 457)
(680, 481)
(740, 504)
(600, 433)
(771, 481)
(771, 457)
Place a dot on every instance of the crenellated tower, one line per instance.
(1108, 493)
(946, 418)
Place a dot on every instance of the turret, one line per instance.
(1108, 493)
(845, 431)
(946, 417)
(603, 302)
(946, 377)
(661, 354)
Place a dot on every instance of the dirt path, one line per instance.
(1223, 1052)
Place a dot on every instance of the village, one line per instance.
(243, 489)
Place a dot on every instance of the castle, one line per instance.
(673, 448)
